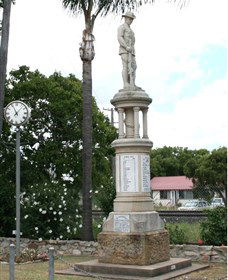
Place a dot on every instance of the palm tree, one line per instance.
(91, 9)
(6, 5)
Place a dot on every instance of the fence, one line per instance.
(12, 262)
(209, 254)
(171, 216)
(51, 268)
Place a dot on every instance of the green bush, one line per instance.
(176, 234)
(97, 227)
(213, 230)
(105, 196)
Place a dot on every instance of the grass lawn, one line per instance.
(39, 271)
(214, 272)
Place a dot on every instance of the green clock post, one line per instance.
(17, 113)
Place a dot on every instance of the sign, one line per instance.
(129, 173)
(121, 223)
(117, 173)
(145, 171)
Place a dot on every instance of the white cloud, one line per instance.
(196, 122)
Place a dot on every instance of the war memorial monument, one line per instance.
(133, 243)
(129, 231)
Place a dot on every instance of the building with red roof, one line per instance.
(171, 190)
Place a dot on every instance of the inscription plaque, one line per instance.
(145, 173)
(117, 173)
(129, 173)
(121, 223)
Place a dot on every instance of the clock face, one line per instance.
(17, 113)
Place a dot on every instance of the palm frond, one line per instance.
(180, 3)
(76, 6)
(103, 7)
(121, 6)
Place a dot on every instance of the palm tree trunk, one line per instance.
(4, 54)
(87, 150)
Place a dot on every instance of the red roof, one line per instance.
(171, 183)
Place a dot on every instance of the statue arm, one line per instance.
(121, 39)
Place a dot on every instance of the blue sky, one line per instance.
(181, 56)
(212, 62)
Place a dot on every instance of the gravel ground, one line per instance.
(214, 272)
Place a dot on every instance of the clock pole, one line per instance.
(17, 113)
(18, 186)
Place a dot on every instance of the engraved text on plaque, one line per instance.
(129, 173)
(145, 173)
(121, 223)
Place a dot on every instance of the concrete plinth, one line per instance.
(148, 271)
(131, 202)
(161, 271)
(133, 248)
(134, 222)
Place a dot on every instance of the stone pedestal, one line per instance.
(133, 234)
(134, 248)
(133, 222)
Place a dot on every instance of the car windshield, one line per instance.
(202, 204)
(191, 204)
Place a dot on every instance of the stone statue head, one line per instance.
(129, 15)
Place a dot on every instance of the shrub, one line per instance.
(105, 196)
(97, 226)
(213, 230)
(176, 233)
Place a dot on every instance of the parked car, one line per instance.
(217, 201)
(194, 205)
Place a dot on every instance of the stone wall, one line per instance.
(76, 247)
(62, 247)
(200, 253)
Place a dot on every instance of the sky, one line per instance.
(181, 56)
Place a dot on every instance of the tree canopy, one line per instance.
(170, 161)
(51, 150)
(209, 173)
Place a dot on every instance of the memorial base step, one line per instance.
(160, 271)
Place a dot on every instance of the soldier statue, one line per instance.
(126, 40)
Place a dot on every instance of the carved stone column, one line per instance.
(121, 122)
(133, 223)
(145, 128)
(129, 122)
(136, 122)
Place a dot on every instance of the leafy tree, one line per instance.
(51, 163)
(169, 161)
(209, 173)
(91, 9)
